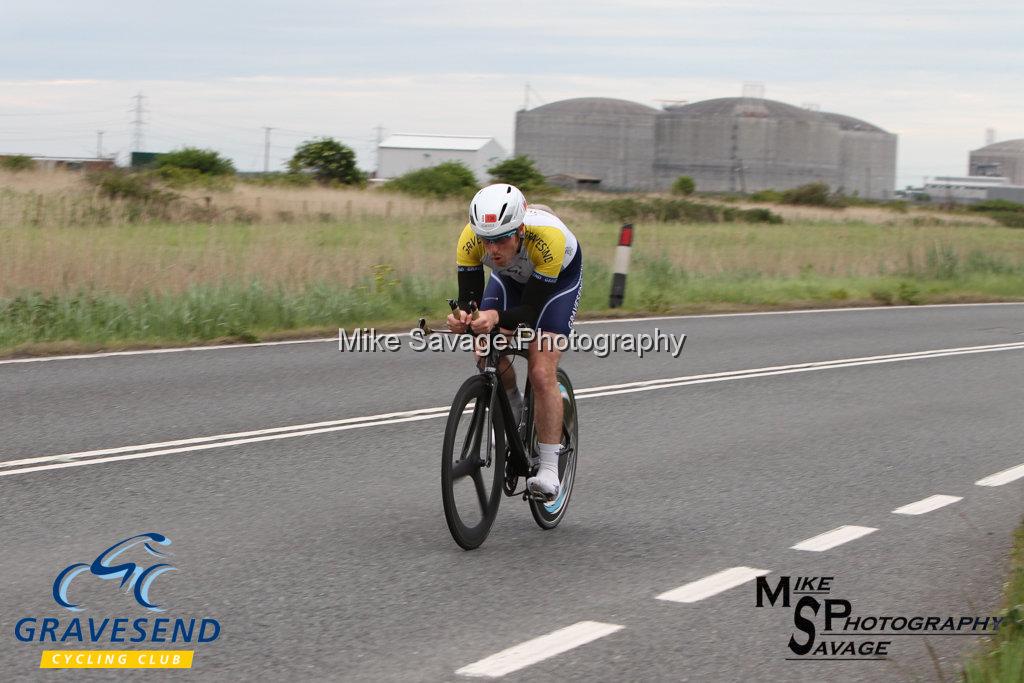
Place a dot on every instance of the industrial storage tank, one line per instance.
(1003, 159)
(867, 158)
(741, 144)
(607, 143)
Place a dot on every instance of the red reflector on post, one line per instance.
(626, 235)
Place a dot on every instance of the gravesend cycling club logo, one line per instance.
(132, 565)
(845, 635)
(138, 578)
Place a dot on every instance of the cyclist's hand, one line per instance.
(458, 321)
(485, 322)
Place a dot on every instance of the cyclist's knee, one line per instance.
(542, 369)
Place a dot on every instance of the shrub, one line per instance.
(895, 205)
(1000, 205)
(190, 177)
(908, 293)
(882, 296)
(752, 216)
(120, 184)
(280, 180)
(328, 160)
(17, 162)
(673, 210)
(812, 194)
(518, 171)
(942, 262)
(772, 196)
(450, 179)
(201, 161)
(1011, 219)
(684, 185)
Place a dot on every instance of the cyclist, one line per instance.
(536, 278)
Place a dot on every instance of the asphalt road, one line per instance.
(325, 556)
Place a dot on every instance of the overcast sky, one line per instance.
(937, 73)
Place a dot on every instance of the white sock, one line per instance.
(548, 453)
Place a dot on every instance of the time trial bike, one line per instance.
(487, 449)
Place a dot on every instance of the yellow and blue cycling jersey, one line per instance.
(548, 248)
(540, 287)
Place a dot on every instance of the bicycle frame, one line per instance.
(520, 459)
(522, 463)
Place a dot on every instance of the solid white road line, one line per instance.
(830, 539)
(1004, 477)
(927, 505)
(202, 447)
(713, 585)
(538, 649)
(370, 420)
(237, 438)
(176, 349)
(221, 347)
(851, 309)
(630, 387)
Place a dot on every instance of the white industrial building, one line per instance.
(972, 188)
(399, 154)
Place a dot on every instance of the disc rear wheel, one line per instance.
(548, 515)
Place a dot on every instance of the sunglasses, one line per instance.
(501, 238)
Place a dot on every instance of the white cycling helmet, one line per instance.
(496, 210)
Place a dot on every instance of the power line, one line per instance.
(266, 149)
(138, 123)
(62, 113)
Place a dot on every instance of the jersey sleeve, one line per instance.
(470, 253)
(546, 248)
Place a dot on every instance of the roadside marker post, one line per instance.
(621, 266)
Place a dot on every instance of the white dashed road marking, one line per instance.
(537, 650)
(1004, 477)
(831, 539)
(713, 585)
(927, 505)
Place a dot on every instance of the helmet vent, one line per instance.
(502, 212)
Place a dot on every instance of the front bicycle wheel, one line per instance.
(471, 482)
(548, 515)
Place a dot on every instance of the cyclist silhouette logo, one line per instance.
(134, 577)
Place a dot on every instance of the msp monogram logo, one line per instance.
(134, 577)
(828, 628)
(138, 579)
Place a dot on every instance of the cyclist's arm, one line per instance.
(471, 286)
(469, 257)
(536, 293)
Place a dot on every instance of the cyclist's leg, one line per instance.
(544, 357)
(554, 323)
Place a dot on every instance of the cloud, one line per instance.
(935, 72)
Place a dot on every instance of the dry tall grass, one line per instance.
(59, 236)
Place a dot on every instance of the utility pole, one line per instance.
(138, 122)
(99, 144)
(379, 129)
(266, 148)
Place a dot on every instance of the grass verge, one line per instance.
(33, 323)
(1003, 661)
